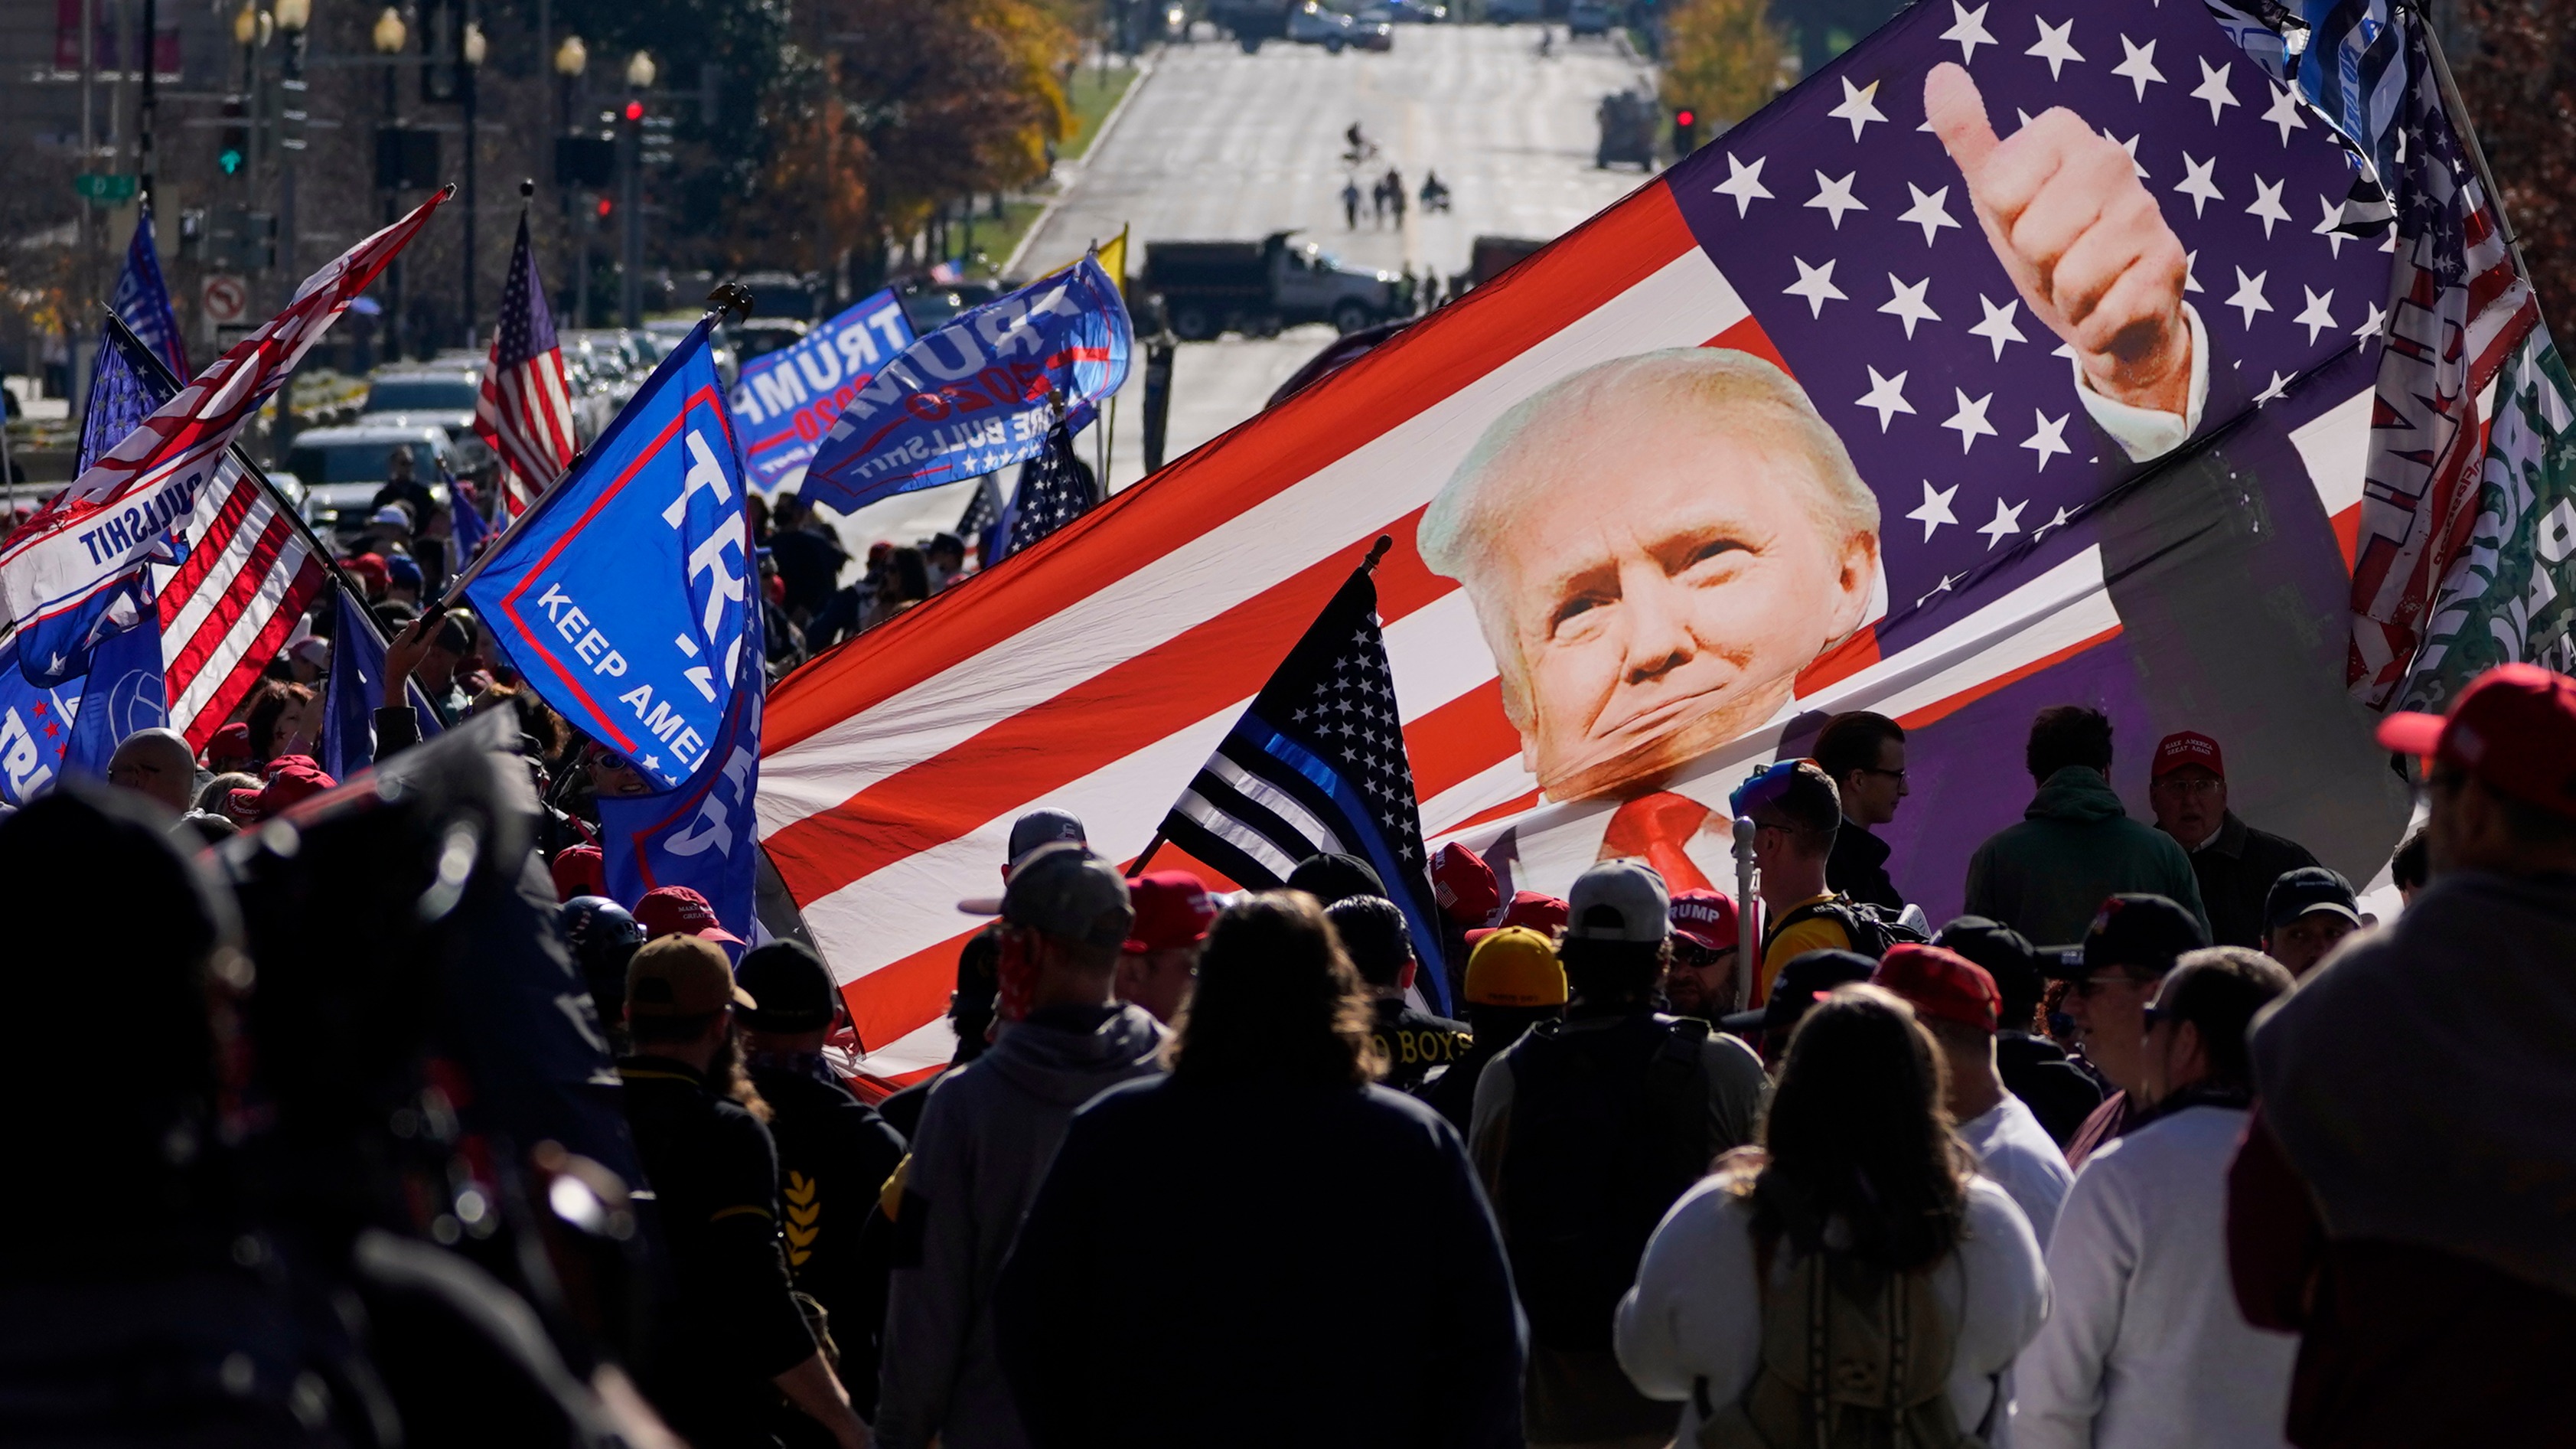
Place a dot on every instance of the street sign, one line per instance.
(104, 186)
(225, 298)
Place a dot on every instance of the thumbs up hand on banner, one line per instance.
(2083, 241)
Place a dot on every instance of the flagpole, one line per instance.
(1377, 552)
(727, 297)
(330, 556)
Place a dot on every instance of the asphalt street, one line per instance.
(1219, 145)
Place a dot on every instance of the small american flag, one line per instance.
(1052, 492)
(525, 412)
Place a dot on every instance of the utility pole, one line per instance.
(145, 162)
(630, 191)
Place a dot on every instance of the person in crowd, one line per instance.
(681, 911)
(1804, 980)
(426, 654)
(1513, 983)
(2144, 1344)
(1042, 826)
(403, 486)
(1159, 961)
(945, 557)
(402, 579)
(1531, 911)
(2406, 1215)
(1859, 1209)
(1700, 981)
(291, 781)
(602, 937)
(732, 1333)
(970, 1016)
(2234, 863)
(2034, 1067)
(904, 584)
(808, 553)
(157, 764)
(1332, 878)
(1468, 896)
(579, 870)
(284, 719)
(1864, 755)
(1412, 1042)
(2046, 876)
(2134, 941)
(834, 1152)
(1248, 1312)
(369, 570)
(215, 797)
(1956, 1001)
(308, 660)
(1796, 814)
(2308, 913)
(986, 1136)
(2410, 869)
(1584, 1131)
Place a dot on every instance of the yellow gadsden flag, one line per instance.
(1113, 260)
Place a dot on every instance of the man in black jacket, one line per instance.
(1416, 1042)
(2235, 863)
(834, 1152)
(2033, 1067)
(1865, 755)
(729, 1330)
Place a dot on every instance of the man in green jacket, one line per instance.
(2076, 845)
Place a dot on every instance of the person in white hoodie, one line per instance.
(1959, 1004)
(2147, 1348)
(1861, 1215)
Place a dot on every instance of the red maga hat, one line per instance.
(2513, 728)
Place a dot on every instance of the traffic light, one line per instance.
(605, 207)
(634, 112)
(1685, 130)
(232, 153)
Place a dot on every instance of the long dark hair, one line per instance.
(1277, 1001)
(1856, 1131)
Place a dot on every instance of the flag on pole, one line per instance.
(785, 401)
(125, 689)
(624, 591)
(356, 687)
(64, 575)
(1317, 766)
(1052, 493)
(36, 725)
(465, 521)
(704, 834)
(143, 300)
(525, 411)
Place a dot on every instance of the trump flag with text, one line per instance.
(2019, 357)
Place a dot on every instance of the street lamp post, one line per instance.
(471, 50)
(292, 16)
(389, 37)
(639, 79)
(571, 59)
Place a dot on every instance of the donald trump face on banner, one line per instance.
(1655, 547)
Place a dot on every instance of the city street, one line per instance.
(1216, 145)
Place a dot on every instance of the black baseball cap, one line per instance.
(1045, 827)
(792, 985)
(1334, 878)
(2306, 891)
(1065, 891)
(1802, 979)
(2006, 954)
(2133, 929)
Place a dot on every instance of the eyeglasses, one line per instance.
(2190, 786)
(1896, 774)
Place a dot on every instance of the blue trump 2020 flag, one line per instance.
(785, 401)
(701, 835)
(624, 594)
(142, 299)
(126, 687)
(971, 396)
(36, 726)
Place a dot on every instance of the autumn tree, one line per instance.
(2515, 61)
(1722, 57)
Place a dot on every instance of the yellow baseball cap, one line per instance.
(1515, 966)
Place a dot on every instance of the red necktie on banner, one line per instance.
(1656, 828)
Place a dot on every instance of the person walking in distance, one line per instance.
(987, 1135)
(1857, 1236)
(1584, 1132)
(1185, 1276)
(2144, 1345)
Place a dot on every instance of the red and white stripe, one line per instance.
(228, 608)
(525, 415)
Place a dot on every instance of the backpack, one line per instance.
(1870, 929)
(1854, 1356)
(1608, 1127)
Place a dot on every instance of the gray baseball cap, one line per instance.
(1045, 827)
(1063, 890)
(1618, 900)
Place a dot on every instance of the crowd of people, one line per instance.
(2164, 1142)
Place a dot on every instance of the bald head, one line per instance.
(158, 763)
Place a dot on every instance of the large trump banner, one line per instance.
(2021, 357)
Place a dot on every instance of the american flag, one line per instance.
(525, 412)
(143, 300)
(1052, 492)
(1832, 235)
(1317, 766)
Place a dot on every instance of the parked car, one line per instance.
(1587, 17)
(440, 393)
(930, 305)
(1312, 24)
(1513, 12)
(1407, 12)
(1372, 34)
(1258, 287)
(337, 471)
